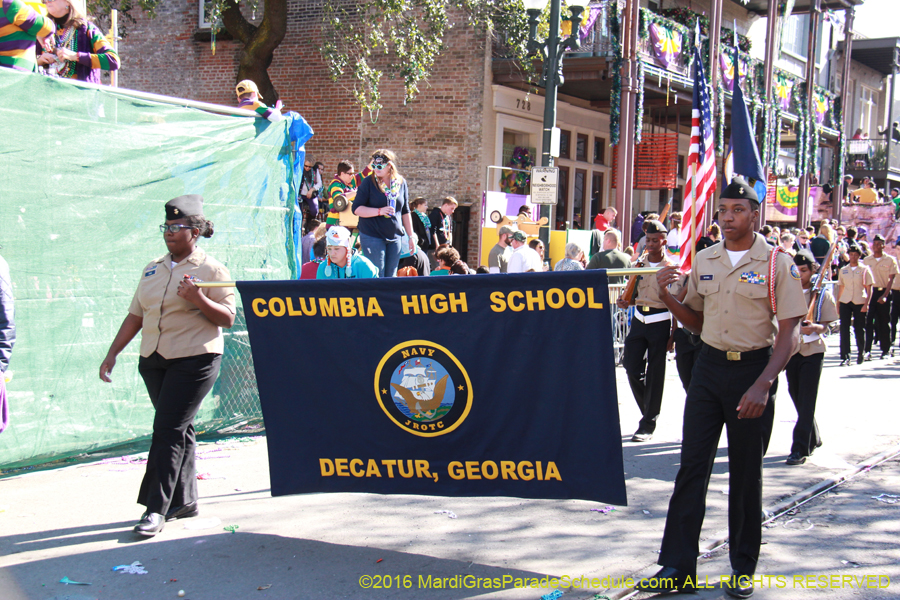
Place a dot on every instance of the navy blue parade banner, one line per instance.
(480, 385)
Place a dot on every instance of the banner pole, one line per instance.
(610, 272)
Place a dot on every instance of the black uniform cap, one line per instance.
(654, 227)
(854, 248)
(189, 205)
(740, 189)
(805, 258)
(878, 238)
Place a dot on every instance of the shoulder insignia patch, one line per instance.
(150, 271)
(795, 272)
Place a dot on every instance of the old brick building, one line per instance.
(438, 137)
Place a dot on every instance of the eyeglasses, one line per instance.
(307, 166)
(173, 228)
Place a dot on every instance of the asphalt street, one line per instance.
(75, 522)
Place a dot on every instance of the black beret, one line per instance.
(189, 205)
(654, 227)
(805, 258)
(740, 189)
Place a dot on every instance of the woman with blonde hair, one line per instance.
(382, 205)
(78, 49)
(574, 260)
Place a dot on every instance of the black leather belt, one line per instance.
(736, 356)
(648, 310)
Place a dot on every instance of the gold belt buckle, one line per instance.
(645, 308)
(733, 355)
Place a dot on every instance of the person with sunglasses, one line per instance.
(382, 205)
(180, 354)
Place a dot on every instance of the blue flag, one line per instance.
(745, 153)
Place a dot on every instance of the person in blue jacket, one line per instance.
(341, 264)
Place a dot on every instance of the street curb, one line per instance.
(720, 538)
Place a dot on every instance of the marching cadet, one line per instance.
(744, 299)
(805, 367)
(878, 319)
(648, 336)
(854, 292)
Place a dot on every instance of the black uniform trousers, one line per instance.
(878, 320)
(177, 388)
(803, 373)
(848, 312)
(895, 314)
(647, 376)
(716, 389)
(687, 349)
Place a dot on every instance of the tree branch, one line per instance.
(236, 24)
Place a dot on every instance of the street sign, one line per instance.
(544, 183)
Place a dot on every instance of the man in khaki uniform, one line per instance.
(854, 292)
(884, 271)
(745, 300)
(649, 335)
(804, 369)
(895, 310)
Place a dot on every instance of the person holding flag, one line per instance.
(745, 300)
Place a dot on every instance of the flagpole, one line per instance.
(693, 243)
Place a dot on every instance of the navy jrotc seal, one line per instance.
(744, 299)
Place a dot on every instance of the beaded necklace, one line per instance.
(67, 40)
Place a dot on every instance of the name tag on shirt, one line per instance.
(753, 277)
(706, 278)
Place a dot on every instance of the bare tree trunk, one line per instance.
(259, 43)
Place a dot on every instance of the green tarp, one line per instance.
(86, 173)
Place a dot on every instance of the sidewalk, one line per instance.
(76, 521)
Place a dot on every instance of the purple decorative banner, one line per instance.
(588, 24)
(726, 62)
(821, 104)
(784, 89)
(666, 44)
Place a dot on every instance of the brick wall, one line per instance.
(437, 137)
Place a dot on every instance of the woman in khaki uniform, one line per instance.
(804, 369)
(181, 350)
(854, 293)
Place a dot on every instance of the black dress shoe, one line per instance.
(185, 511)
(641, 436)
(151, 524)
(740, 585)
(668, 579)
(795, 459)
(860, 359)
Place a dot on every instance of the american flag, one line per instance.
(701, 161)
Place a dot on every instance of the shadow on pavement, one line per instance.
(220, 566)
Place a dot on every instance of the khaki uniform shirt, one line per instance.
(173, 326)
(829, 314)
(647, 291)
(734, 299)
(882, 269)
(854, 282)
